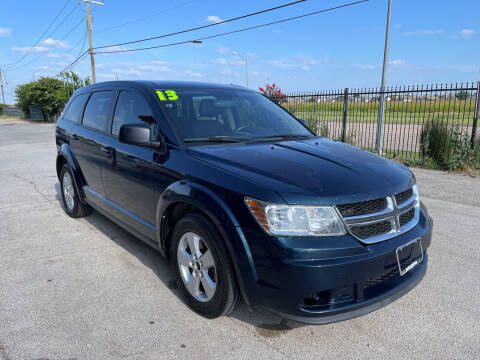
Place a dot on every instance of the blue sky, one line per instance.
(431, 41)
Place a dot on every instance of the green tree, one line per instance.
(72, 81)
(49, 93)
(462, 95)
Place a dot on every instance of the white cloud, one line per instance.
(306, 68)
(221, 61)
(222, 50)
(397, 62)
(467, 33)
(57, 43)
(43, 67)
(423, 32)
(213, 19)
(307, 60)
(194, 74)
(5, 32)
(59, 56)
(367, 67)
(28, 48)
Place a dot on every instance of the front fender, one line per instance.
(218, 212)
(65, 153)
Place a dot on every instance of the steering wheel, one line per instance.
(244, 127)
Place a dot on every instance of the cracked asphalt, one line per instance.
(86, 289)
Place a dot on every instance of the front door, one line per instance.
(134, 178)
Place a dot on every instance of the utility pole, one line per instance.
(1, 85)
(89, 26)
(381, 108)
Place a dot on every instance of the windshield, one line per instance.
(226, 115)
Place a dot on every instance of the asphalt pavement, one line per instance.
(86, 289)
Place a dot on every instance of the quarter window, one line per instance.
(129, 106)
(98, 110)
(75, 110)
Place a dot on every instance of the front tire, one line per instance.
(71, 202)
(202, 267)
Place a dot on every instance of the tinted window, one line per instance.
(98, 109)
(196, 113)
(129, 106)
(74, 111)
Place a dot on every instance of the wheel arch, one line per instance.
(65, 155)
(183, 197)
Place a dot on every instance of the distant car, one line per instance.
(244, 199)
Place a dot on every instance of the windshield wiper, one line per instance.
(284, 136)
(218, 139)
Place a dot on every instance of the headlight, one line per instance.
(296, 220)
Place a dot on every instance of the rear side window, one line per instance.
(129, 106)
(98, 110)
(74, 111)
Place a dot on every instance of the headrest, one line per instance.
(207, 108)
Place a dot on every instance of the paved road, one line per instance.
(85, 289)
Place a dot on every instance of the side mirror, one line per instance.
(137, 134)
(303, 121)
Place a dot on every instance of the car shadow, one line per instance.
(265, 324)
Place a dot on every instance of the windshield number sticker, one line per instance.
(165, 95)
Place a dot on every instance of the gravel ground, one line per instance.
(86, 289)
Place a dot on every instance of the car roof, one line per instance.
(163, 84)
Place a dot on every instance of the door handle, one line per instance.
(73, 136)
(106, 150)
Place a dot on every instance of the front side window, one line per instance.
(238, 114)
(75, 110)
(129, 106)
(98, 109)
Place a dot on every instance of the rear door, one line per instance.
(89, 143)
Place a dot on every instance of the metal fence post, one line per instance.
(345, 107)
(475, 115)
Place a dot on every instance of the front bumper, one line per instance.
(345, 283)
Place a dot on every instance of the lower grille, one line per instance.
(406, 217)
(381, 278)
(370, 230)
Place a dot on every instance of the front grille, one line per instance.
(406, 217)
(362, 208)
(403, 196)
(370, 230)
(381, 278)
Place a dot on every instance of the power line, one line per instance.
(204, 26)
(73, 63)
(232, 32)
(43, 34)
(55, 45)
(143, 18)
(217, 35)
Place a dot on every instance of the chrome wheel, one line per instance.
(197, 267)
(68, 191)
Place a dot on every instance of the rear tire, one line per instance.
(71, 202)
(202, 267)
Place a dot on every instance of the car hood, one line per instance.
(311, 171)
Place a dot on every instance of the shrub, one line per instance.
(450, 148)
(273, 92)
(324, 132)
(435, 143)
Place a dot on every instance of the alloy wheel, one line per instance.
(197, 267)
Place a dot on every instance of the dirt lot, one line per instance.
(86, 289)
